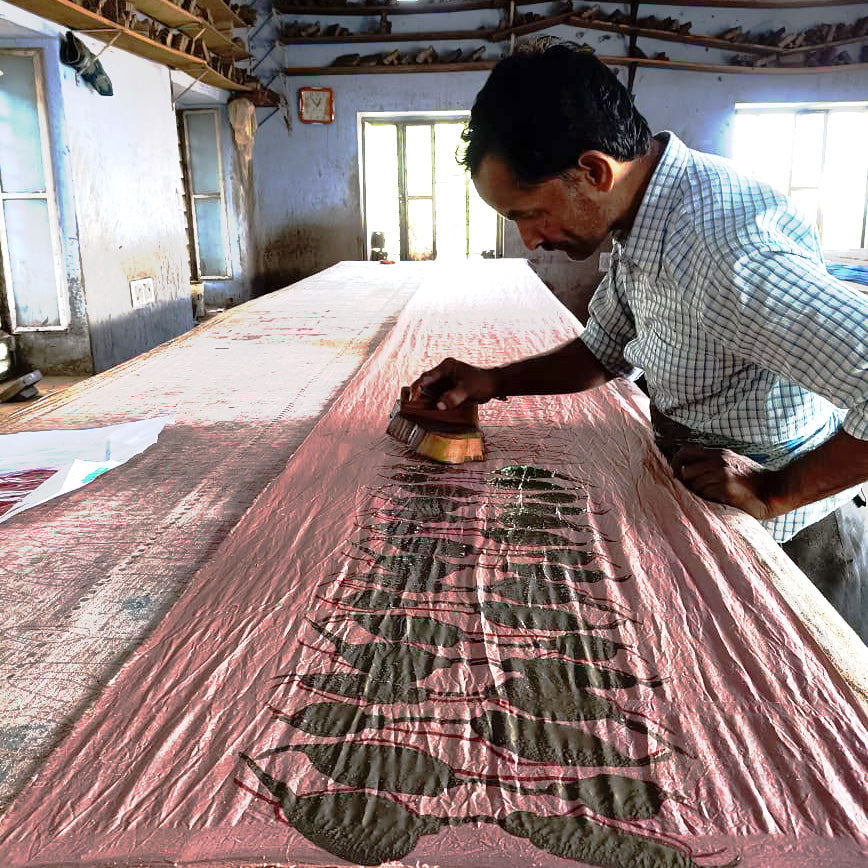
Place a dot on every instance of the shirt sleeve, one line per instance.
(609, 328)
(784, 312)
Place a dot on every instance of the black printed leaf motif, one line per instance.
(414, 565)
(610, 795)
(517, 536)
(387, 661)
(535, 518)
(534, 618)
(411, 476)
(363, 687)
(553, 497)
(517, 483)
(582, 646)
(547, 700)
(615, 796)
(407, 628)
(358, 827)
(581, 840)
(569, 558)
(426, 467)
(398, 528)
(441, 490)
(534, 593)
(381, 767)
(422, 510)
(551, 743)
(568, 676)
(378, 601)
(414, 582)
(332, 719)
(525, 471)
(552, 572)
(428, 546)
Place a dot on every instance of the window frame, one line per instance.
(824, 108)
(50, 198)
(402, 120)
(192, 197)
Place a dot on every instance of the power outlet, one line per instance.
(142, 292)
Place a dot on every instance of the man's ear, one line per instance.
(597, 170)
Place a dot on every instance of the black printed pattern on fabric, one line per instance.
(534, 545)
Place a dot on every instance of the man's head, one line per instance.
(539, 110)
(551, 137)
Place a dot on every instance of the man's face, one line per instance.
(554, 215)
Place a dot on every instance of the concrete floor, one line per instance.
(47, 385)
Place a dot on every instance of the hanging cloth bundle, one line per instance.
(74, 53)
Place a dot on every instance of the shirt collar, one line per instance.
(643, 244)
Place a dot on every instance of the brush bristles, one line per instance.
(406, 431)
(448, 445)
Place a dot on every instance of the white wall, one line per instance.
(126, 177)
(118, 177)
(307, 212)
(308, 209)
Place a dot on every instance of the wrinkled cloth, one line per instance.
(555, 656)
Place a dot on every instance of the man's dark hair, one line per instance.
(541, 109)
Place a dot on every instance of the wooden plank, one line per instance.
(223, 16)
(408, 9)
(670, 36)
(75, 17)
(647, 62)
(435, 36)
(470, 66)
(168, 13)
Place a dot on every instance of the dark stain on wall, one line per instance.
(65, 353)
(297, 252)
(123, 336)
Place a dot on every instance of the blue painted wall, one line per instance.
(307, 211)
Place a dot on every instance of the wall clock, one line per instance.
(316, 105)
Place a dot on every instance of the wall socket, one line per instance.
(142, 292)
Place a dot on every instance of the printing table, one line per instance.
(338, 654)
(85, 577)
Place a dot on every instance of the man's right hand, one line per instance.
(452, 383)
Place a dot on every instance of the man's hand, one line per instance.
(727, 477)
(453, 382)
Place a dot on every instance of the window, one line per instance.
(203, 170)
(34, 289)
(816, 154)
(418, 195)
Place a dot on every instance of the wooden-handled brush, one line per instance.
(448, 436)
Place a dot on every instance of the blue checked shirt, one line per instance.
(719, 293)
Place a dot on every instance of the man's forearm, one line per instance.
(839, 463)
(571, 367)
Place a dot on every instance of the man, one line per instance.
(756, 359)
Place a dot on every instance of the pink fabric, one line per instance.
(703, 688)
(17, 484)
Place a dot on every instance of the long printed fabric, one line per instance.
(467, 673)
(554, 657)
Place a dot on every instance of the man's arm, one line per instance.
(726, 477)
(571, 367)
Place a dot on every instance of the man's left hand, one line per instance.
(726, 477)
